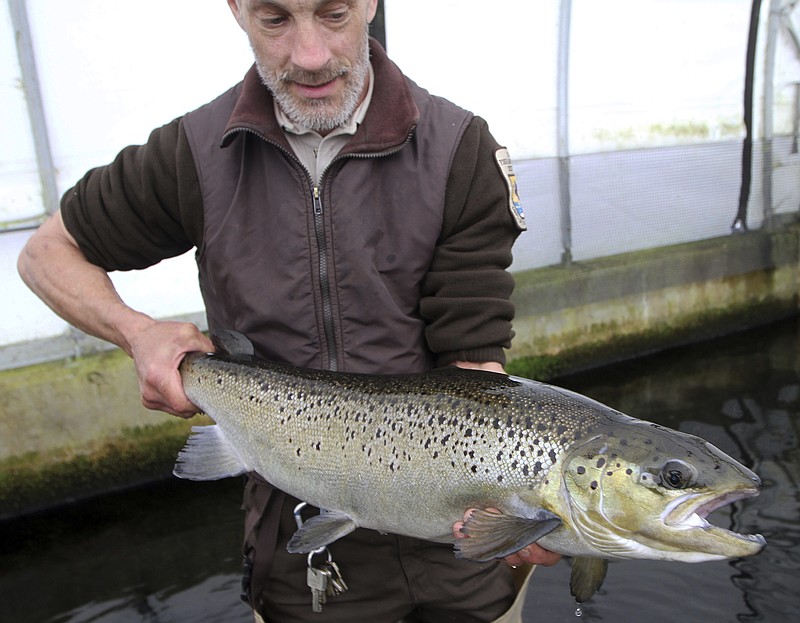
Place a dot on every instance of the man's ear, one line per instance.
(236, 9)
(372, 8)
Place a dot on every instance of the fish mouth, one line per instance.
(690, 512)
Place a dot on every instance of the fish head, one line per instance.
(645, 491)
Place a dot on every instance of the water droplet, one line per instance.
(578, 612)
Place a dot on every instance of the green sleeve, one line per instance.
(142, 208)
(466, 294)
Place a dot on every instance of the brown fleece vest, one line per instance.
(324, 277)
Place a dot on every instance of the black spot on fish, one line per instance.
(581, 470)
(609, 473)
(600, 462)
(593, 484)
(525, 470)
(629, 471)
(500, 478)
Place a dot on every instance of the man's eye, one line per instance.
(273, 21)
(336, 16)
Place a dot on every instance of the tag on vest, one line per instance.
(503, 159)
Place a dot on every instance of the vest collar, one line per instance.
(391, 117)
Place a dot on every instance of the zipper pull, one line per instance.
(317, 202)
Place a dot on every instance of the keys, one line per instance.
(318, 581)
(325, 580)
(336, 583)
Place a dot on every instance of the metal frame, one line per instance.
(33, 99)
(562, 130)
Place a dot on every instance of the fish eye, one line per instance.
(678, 475)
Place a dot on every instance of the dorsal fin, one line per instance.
(232, 343)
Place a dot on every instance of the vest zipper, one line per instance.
(328, 325)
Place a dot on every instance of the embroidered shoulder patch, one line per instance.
(514, 204)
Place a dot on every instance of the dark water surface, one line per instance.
(170, 553)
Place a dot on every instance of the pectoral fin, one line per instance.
(320, 530)
(207, 455)
(495, 535)
(587, 577)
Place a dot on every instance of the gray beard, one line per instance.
(319, 115)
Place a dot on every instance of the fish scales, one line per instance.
(354, 434)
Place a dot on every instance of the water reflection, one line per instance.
(171, 553)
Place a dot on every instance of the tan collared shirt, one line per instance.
(316, 151)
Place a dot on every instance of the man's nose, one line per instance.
(310, 50)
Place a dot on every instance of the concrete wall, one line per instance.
(668, 295)
(75, 427)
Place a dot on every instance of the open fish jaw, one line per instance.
(689, 512)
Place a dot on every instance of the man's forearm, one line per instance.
(53, 267)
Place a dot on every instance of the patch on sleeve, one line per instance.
(514, 204)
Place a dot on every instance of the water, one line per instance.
(170, 553)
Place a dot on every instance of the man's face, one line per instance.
(313, 55)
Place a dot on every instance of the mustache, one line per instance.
(313, 78)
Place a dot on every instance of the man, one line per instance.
(343, 219)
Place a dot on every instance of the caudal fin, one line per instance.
(207, 455)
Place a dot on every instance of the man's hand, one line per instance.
(157, 352)
(533, 554)
(54, 267)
